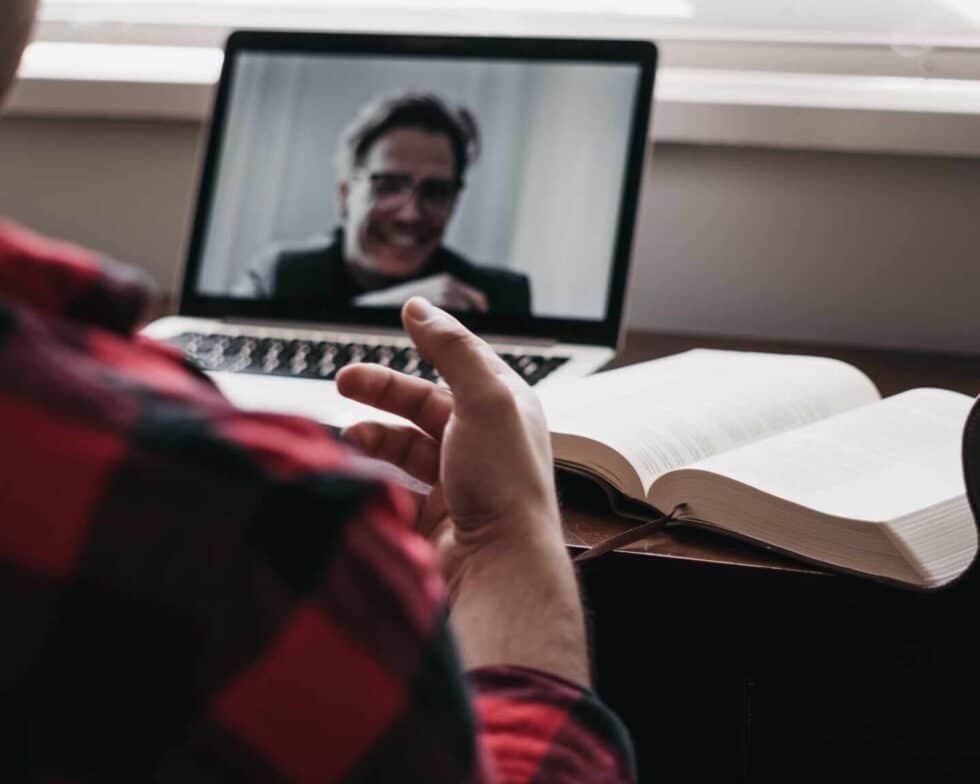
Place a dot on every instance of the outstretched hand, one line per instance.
(492, 514)
(483, 445)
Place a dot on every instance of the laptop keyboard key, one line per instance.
(323, 359)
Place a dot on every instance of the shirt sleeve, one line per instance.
(360, 679)
(538, 727)
(239, 602)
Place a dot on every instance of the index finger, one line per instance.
(418, 401)
(468, 364)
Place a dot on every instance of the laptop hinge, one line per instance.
(313, 326)
(518, 340)
(522, 341)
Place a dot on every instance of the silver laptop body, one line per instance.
(332, 192)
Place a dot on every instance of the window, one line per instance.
(936, 38)
(898, 23)
(904, 57)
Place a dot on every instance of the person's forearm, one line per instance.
(517, 603)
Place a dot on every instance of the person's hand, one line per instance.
(459, 296)
(485, 448)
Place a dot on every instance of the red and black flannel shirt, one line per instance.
(192, 593)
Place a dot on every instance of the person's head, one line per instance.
(16, 19)
(401, 164)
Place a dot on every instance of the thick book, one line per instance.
(797, 453)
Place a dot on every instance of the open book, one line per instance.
(797, 453)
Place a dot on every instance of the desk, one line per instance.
(731, 663)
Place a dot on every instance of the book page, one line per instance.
(675, 411)
(875, 463)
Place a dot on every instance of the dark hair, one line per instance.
(425, 111)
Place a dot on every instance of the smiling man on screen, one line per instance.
(401, 167)
(193, 593)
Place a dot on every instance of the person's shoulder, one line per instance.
(276, 264)
(306, 268)
(58, 278)
(303, 251)
(309, 253)
(314, 243)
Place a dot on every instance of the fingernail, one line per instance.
(419, 309)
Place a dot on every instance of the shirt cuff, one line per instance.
(539, 727)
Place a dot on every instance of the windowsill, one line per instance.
(883, 114)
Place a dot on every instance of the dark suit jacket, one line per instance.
(319, 273)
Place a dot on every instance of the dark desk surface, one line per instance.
(731, 663)
(705, 558)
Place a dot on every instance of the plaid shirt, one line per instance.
(191, 593)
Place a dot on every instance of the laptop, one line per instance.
(345, 174)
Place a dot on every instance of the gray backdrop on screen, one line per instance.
(543, 198)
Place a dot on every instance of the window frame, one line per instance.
(854, 95)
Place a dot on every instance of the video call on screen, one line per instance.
(360, 181)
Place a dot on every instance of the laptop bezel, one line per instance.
(587, 332)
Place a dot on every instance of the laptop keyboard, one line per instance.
(322, 359)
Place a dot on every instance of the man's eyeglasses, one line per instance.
(436, 195)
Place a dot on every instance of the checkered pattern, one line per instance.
(192, 593)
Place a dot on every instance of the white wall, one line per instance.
(122, 187)
(862, 249)
(827, 247)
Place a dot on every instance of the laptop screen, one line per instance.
(347, 182)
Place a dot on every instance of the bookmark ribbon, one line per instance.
(628, 537)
